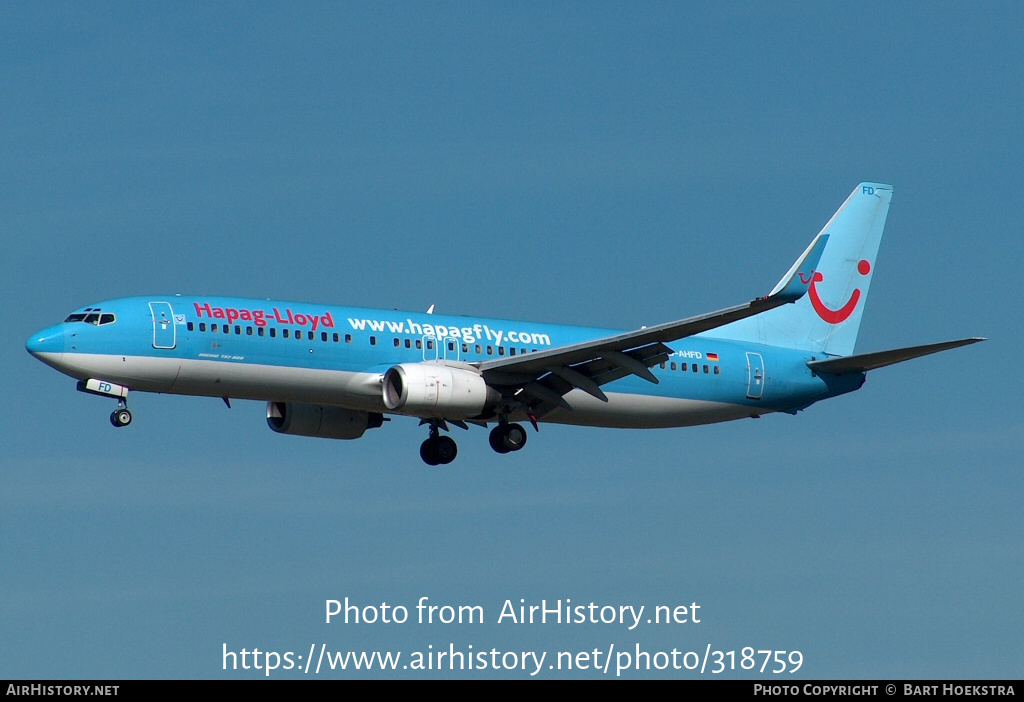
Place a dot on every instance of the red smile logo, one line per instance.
(843, 313)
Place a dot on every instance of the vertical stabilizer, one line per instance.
(827, 318)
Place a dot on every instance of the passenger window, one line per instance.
(419, 343)
(259, 331)
(273, 332)
(501, 350)
(430, 345)
(323, 336)
(309, 335)
(490, 350)
(298, 334)
(663, 365)
(214, 328)
(718, 370)
(190, 327)
(408, 343)
(373, 341)
(348, 338)
(451, 345)
(225, 329)
(397, 342)
(512, 351)
(673, 366)
(693, 367)
(478, 348)
(705, 369)
(238, 328)
(336, 337)
(248, 331)
(284, 333)
(202, 326)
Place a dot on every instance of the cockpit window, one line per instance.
(92, 316)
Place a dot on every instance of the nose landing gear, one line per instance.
(121, 417)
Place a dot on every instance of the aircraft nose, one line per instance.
(47, 343)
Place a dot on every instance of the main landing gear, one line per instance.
(439, 449)
(507, 437)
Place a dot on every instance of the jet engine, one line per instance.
(324, 422)
(435, 390)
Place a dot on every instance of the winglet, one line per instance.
(798, 279)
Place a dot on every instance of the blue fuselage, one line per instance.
(299, 352)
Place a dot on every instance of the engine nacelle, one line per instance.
(323, 422)
(435, 390)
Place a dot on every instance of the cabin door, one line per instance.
(755, 375)
(163, 325)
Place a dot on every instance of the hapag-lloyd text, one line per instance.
(260, 317)
(287, 317)
(469, 335)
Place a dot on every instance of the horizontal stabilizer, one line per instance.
(869, 361)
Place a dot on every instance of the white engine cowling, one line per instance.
(323, 422)
(434, 390)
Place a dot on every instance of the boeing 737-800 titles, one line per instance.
(334, 372)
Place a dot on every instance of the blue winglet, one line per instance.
(797, 280)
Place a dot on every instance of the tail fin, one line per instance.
(827, 318)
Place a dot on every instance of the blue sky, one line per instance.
(604, 164)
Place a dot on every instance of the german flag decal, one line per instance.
(712, 356)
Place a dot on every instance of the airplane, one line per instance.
(335, 372)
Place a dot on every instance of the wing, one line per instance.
(545, 377)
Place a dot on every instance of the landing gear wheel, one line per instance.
(428, 452)
(445, 449)
(121, 418)
(438, 450)
(497, 439)
(507, 437)
(515, 437)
